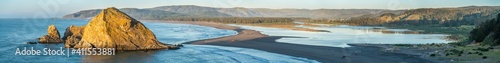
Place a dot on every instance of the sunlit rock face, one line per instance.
(112, 28)
(51, 37)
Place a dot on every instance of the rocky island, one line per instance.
(111, 28)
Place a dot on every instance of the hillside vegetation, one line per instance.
(487, 32)
(424, 17)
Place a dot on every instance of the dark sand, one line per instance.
(359, 53)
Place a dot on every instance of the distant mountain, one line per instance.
(133, 12)
(195, 11)
(199, 11)
(316, 14)
(84, 14)
(151, 14)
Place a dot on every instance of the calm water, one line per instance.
(340, 36)
(15, 33)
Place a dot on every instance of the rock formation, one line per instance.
(112, 28)
(73, 31)
(51, 37)
(71, 41)
(72, 35)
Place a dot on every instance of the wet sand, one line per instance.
(359, 53)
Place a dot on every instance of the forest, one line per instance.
(354, 21)
(377, 22)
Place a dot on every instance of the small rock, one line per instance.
(173, 47)
(31, 43)
(179, 45)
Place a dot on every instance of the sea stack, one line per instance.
(112, 28)
(51, 37)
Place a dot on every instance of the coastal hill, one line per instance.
(487, 33)
(133, 12)
(424, 16)
(470, 13)
(200, 11)
(112, 28)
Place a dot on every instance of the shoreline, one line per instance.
(359, 53)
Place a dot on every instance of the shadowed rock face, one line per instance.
(51, 37)
(112, 28)
(71, 41)
(73, 31)
(72, 35)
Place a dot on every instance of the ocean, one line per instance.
(15, 33)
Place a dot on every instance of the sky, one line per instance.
(59, 8)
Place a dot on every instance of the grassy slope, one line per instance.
(460, 34)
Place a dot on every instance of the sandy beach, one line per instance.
(359, 53)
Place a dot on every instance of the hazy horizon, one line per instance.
(58, 8)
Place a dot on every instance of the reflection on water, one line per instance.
(197, 54)
(122, 57)
(340, 36)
